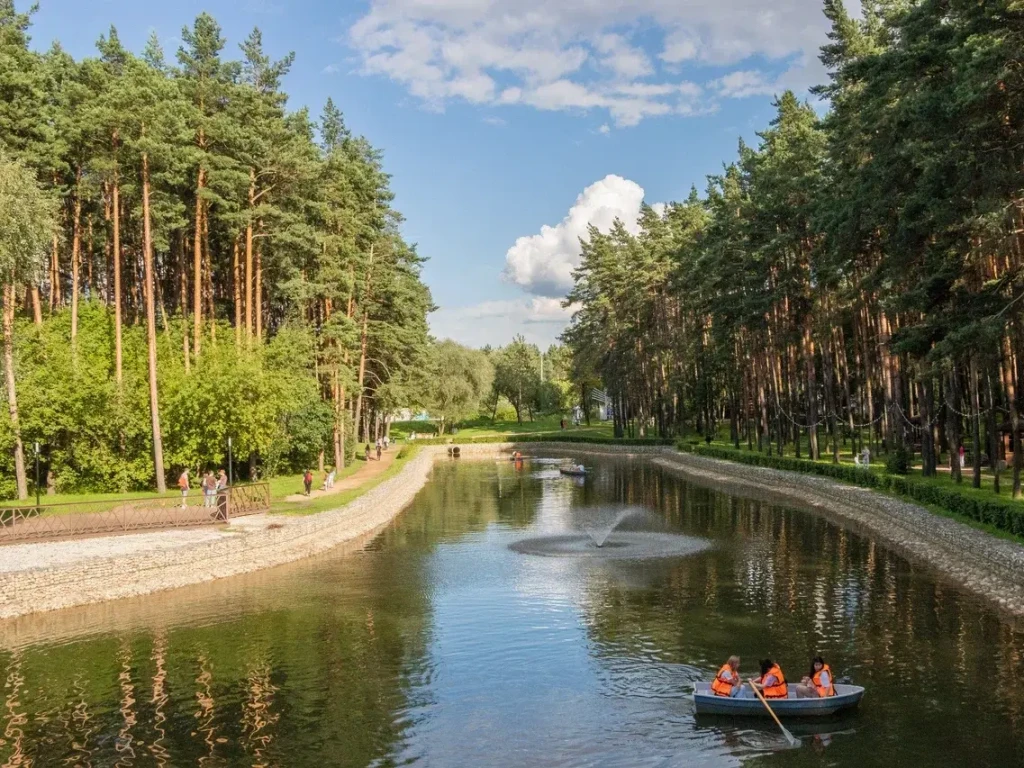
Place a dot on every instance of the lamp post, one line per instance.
(37, 474)
(231, 471)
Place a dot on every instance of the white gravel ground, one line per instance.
(24, 557)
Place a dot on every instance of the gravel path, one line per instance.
(49, 554)
(986, 565)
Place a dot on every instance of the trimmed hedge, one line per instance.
(550, 438)
(1004, 514)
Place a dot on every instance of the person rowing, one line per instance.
(771, 683)
(818, 684)
(727, 681)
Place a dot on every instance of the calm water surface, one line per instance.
(439, 646)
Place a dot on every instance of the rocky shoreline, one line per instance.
(974, 560)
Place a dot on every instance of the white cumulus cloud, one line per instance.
(587, 56)
(543, 263)
(540, 320)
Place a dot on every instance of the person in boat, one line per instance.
(817, 684)
(771, 683)
(728, 681)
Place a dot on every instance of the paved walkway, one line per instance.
(368, 471)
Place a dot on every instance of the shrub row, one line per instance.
(1004, 514)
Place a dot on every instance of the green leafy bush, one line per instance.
(897, 462)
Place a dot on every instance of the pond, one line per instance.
(437, 644)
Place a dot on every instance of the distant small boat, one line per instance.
(707, 703)
(573, 472)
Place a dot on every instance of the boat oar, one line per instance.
(793, 741)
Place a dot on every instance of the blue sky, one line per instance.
(499, 118)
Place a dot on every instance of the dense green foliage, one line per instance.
(854, 276)
(455, 382)
(223, 267)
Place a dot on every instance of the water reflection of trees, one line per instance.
(273, 668)
(791, 584)
(315, 671)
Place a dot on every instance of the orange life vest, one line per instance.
(720, 686)
(822, 690)
(778, 691)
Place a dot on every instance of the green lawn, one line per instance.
(81, 503)
(287, 485)
(336, 500)
(280, 487)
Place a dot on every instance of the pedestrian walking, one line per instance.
(307, 481)
(387, 442)
(184, 487)
(209, 488)
(380, 450)
(367, 451)
(962, 457)
(222, 495)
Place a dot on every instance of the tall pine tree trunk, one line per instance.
(76, 254)
(249, 257)
(258, 291)
(118, 353)
(197, 267)
(183, 300)
(54, 273)
(953, 425)
(37, 305)
(1010, 388)
(812, 392)
(154, 403)
(237, 289)
(363, 343)
(975, 421)
(12, 399)
(208, 284)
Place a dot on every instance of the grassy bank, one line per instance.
(979, 507)
(336, 500)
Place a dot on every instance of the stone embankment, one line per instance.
(49, 576)
(986, 565)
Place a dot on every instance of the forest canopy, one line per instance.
(854, 276)
(214, 265)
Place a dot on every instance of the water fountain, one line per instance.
(606, 541)
(600, 535)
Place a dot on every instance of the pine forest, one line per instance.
(854, 279)
(222, 266)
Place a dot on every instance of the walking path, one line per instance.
(368, 471)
